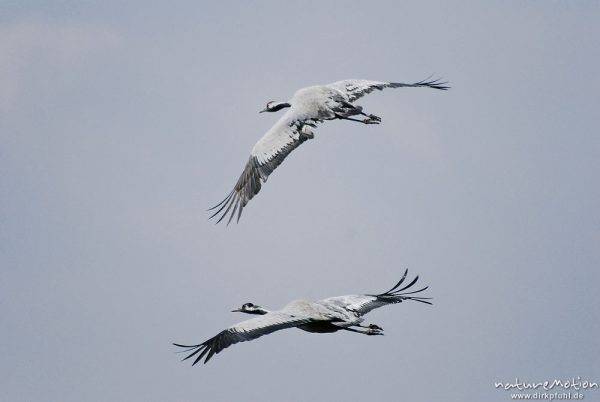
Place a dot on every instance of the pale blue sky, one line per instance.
(121, 124)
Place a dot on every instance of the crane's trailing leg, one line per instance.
(372, 119)
(348, 109)
(371, 326)
(370, 331)
(371, 116)
(365, 121)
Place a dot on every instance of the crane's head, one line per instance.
(250, 308)
(273, 106)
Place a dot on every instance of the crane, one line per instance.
(308, 107)
(323, 316)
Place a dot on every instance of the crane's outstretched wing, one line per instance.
(286, 135)
(362, 304)
(241, 332)
(355, 89)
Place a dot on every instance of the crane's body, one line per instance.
(328, 315)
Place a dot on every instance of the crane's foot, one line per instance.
(374, 332)
(373, 326)
(370, 121)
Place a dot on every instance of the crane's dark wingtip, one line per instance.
(186, 347)
(433, 83)
(201, 350)
(397, 284)
(233, 199)
(398, 293)
(221, 203)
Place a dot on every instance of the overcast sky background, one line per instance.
(120, 124)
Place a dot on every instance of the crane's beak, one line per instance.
(266, 109)
(237, 310)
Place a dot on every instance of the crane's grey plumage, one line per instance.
(327, 315)
(308, 107)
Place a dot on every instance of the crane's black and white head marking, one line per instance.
(273, 106)
(250, 308)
